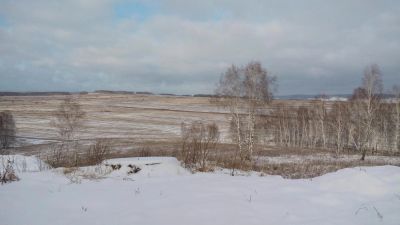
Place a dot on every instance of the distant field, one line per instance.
(133, 123)
(120, 116)
(128, 118)
(145, 117)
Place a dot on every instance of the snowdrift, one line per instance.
(163, 192)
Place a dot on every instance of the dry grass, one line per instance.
(77, 174)
(63, 156)
(307, 164)
(289, 163)
(310, 169)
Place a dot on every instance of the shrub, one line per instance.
(8, 173)
(60, 156)
(98, 152)
(198, 140)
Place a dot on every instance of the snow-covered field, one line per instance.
(163, 192)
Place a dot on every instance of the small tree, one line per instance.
(338, 121)
(366, 102)
(244, 92)
(321, 114)
(7, 129)
(68, 120)
(396, 93)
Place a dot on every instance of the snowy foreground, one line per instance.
(162, 192)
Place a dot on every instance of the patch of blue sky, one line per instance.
(220, 15)
(136, 10)
(3, 22)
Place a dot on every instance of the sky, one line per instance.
(183, 47)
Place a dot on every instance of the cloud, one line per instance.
(184, 46)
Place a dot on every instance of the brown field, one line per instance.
(129, 121)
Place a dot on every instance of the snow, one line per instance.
(150, 166)
(339, 99)
(163, 192)
(23, 163)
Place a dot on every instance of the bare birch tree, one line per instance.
(229, 95)
(366, 102)
(258, 93)
(244, 91)
(396, 93)
(321, 114)
(68, 120)
(338, 118)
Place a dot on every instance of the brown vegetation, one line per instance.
(7, 129)
(7, 173)
(198, 140)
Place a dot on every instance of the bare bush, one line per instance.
(60, 156)
(7, 129)
(7, 173)
(97, 152)
(198, 139)
(64, 154)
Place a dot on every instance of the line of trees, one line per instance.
(366, 122)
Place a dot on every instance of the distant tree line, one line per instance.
(8, 93)
(365, 123)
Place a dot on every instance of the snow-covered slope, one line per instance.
(162, 192)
